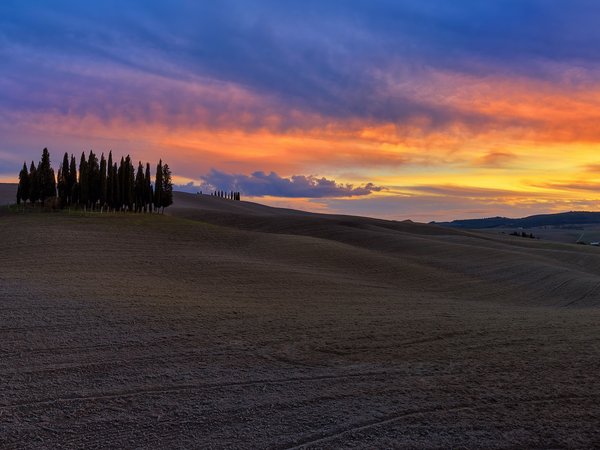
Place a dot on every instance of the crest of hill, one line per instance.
(540, 220)
(258, 217)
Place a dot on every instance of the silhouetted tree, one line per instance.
(72, 186)
(61, 185)
(148, 193)
(93, 179)
(116, 188)
(158, 186)
(46, 179)
(84, 182)
(139, 187)
(167, 188)
(34, 184)
(103, 181)
(110, 182)
(63, 181)
(23, 189)
(122, 181)
(130, 183)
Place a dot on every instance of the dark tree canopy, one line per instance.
(46, 179)
(167, 187)
(158, 186)
(84, 185)
(103, 181)
(97, 184)
(23, 189)
(34, 185)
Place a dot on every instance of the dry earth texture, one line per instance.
(230, 324)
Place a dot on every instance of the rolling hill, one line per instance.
(540, 220)
(235, 324)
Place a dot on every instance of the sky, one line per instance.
(401, 109)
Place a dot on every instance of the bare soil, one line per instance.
(227, 324)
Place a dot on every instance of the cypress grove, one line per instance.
(96, 185)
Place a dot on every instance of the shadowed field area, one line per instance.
(8, 193)
(233, 324)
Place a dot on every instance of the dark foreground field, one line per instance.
(233, 325)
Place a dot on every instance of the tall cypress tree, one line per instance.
(23, 189)
(72, 182)
(63, 180)
(109, 182)
(84, 186)
(167, 188)
(122, 182)
(139, 187)
(62, 188)
(94, 179)
(34, 185)
(129, 183)
(103, 180)
(116, 188)
(148, 194)
(46, 180)
(158, 186)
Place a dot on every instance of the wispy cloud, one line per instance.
(495, 159)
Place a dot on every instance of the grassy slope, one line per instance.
(171, 331)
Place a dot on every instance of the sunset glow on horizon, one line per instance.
(428, 110)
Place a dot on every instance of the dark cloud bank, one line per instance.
(261, 184)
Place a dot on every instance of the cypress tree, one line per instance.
(34, 185)
(46, 180)
(109, 181)
(103, 181)
(62, 188)
(116, 188)
(158, 186)
(148, 189)
(52, 184)
(84, 186)
(140, 187)
(121, 175)
(167, 188)
(24, 183)
(94, 179)
(129, 183)
(72, 182)
(63, 178)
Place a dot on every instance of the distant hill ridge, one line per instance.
(540, 220)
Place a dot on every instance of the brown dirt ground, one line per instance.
(227, 324)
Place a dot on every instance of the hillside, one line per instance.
(235, 324)
(541, 220)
